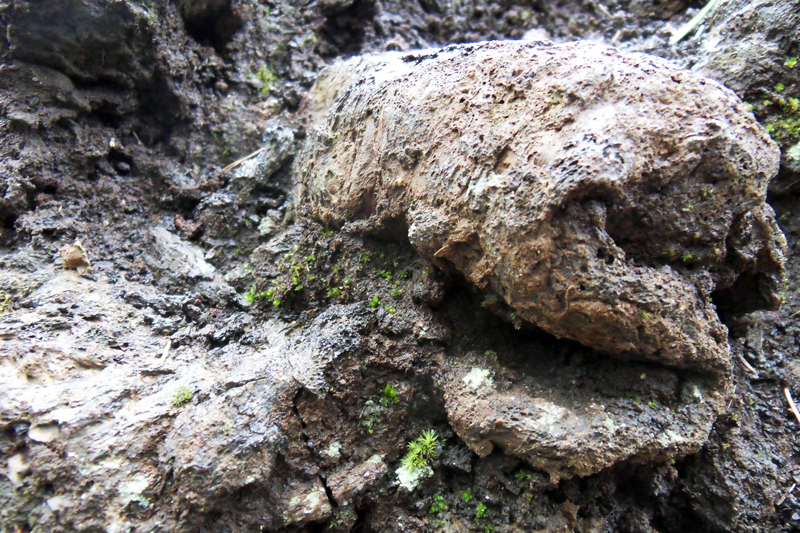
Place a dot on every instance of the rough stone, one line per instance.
(88, 392)
(588, 191)
(306, 503)
(101, 39)
(74, 257)
(746, 44)
(171, 254)
(277, 148)
(352, 481)
(571, 421)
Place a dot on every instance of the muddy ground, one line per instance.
(119, 118)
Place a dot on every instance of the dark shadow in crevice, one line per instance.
(213, 22)
(345, 31)
(9, 221)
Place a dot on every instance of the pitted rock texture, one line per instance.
(590, 191)
(577, 418)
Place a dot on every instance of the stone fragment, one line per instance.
(176, 264)
(44, 433)
(86, 40)
(563, 425)
(175, 256)
(306, 503)
(17, 468)
(277, 148)
(588, 191)
(74, 257)
(353, 481)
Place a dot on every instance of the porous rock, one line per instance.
(108, 425)
(577, 419)
(586, 190)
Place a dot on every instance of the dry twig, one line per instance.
(747, 365)
(689, 27)
(792, 406)
(242, 160)
(167, 346)
(604, 9)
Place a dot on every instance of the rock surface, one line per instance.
(116, 120)
(156, 435)
(588, 191)
(577, 420)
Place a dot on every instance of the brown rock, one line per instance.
(352, 481)
(75, 257)
(588, 191)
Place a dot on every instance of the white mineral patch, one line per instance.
(132, 489)
(17, 467)
(477, 377)
(410, 478)
(333, 450)
(111, 462)
(58, 503)
(670, 437)
(793, 153)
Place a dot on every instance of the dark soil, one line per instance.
(114, 121)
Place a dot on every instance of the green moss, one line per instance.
(389, 396)
(523, 476)
(181, 397)
(784, 127)
(334, 291)
(415, 466)
(438, 505)
(370, 418)
(265, 75)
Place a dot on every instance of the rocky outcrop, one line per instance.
(590, 192)
(110, 424)
(149, 383)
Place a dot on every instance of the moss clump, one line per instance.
(181, 397)
(389, 396)
(265, 75)
(415, 465)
